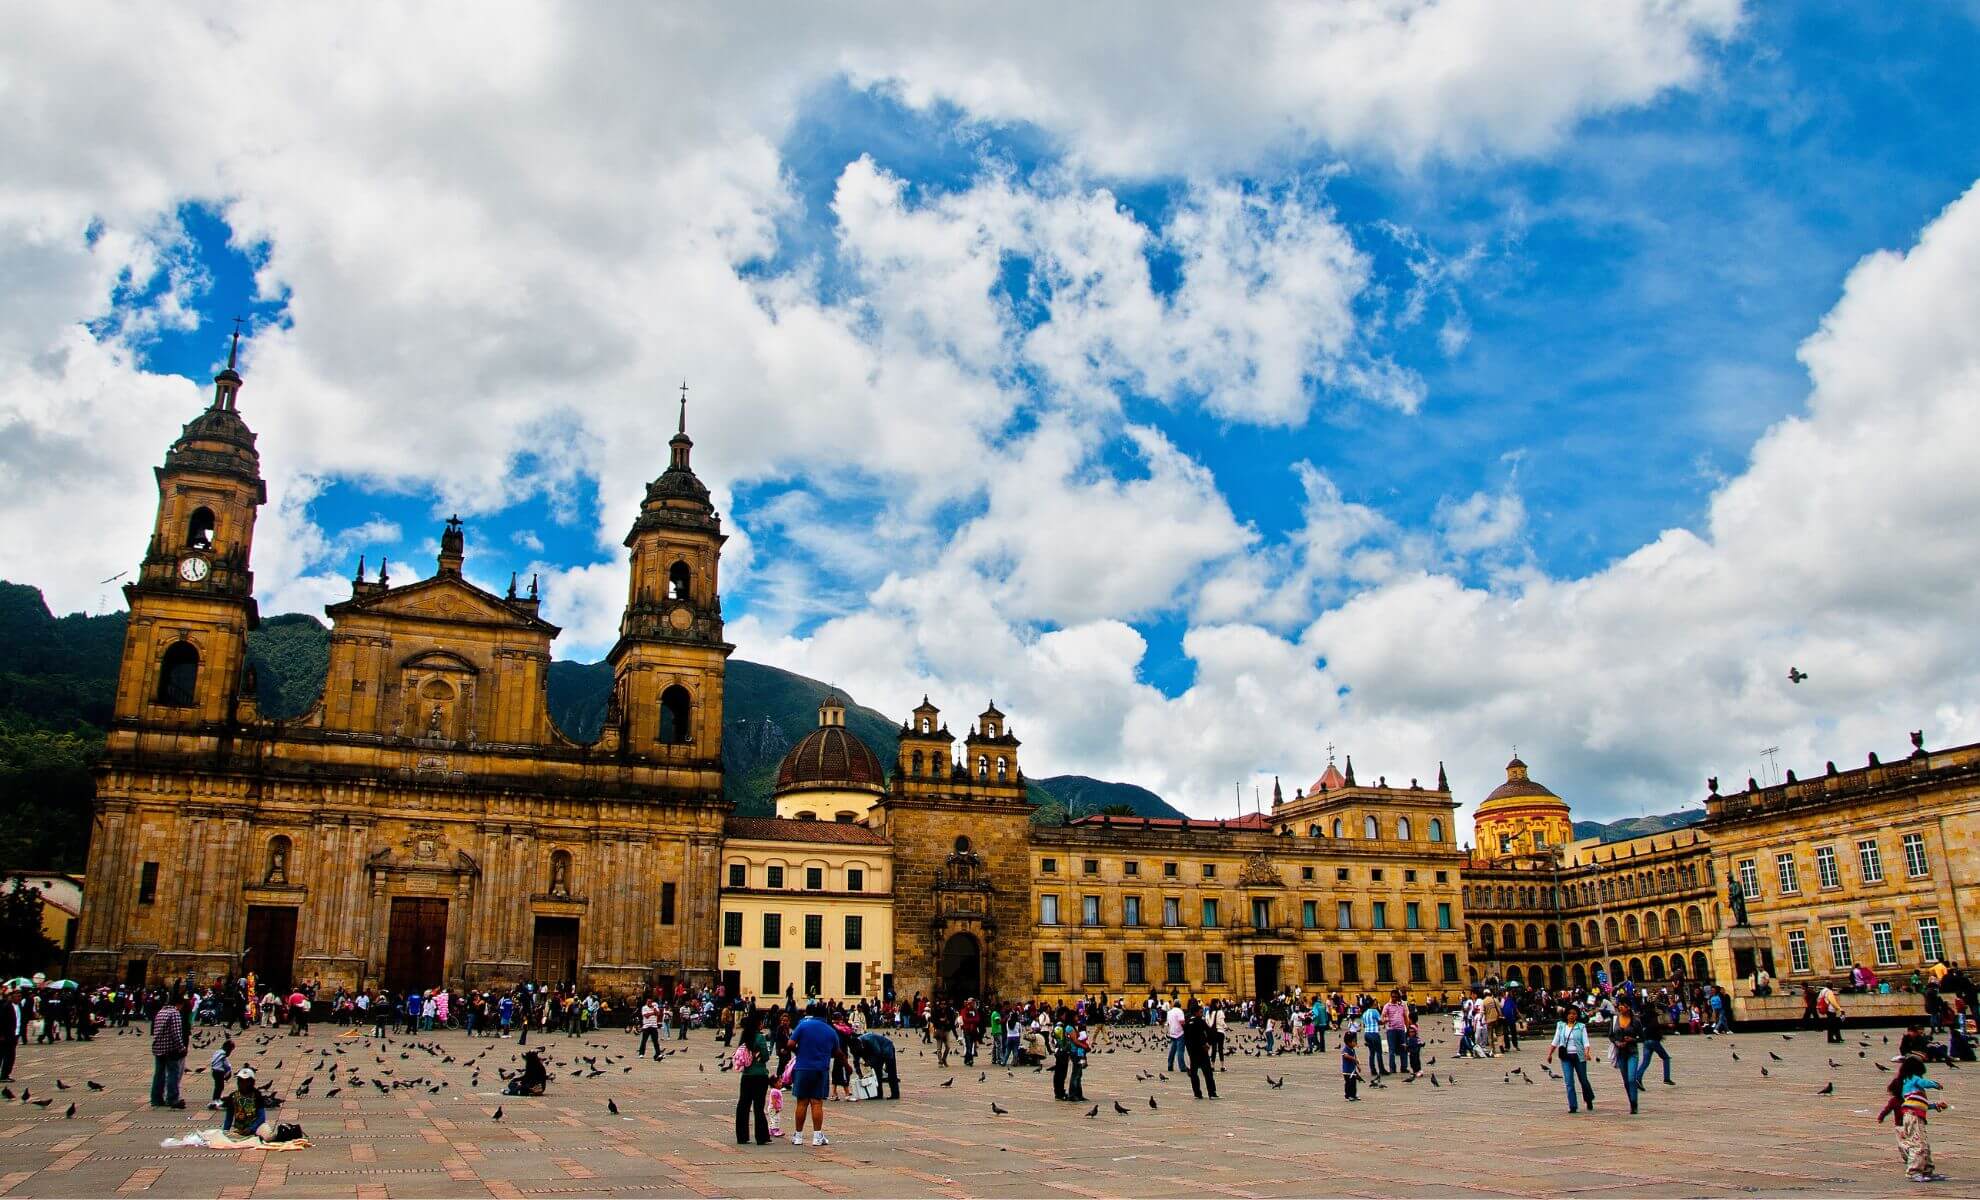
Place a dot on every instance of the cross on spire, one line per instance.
(684, 391)
(233, 351)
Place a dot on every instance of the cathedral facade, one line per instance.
(425, 820)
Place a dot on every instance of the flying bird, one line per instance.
(1796, 674)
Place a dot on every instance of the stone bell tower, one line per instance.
(192, 603)
(668, 663)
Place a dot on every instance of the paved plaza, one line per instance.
(1726, 1129)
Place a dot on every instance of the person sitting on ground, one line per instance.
(244, 1112)
(534, 1080)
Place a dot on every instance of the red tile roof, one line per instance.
(779, 829)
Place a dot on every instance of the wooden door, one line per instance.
(416, 947)
(270, 953)
(554, 956)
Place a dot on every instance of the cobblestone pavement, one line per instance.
(1725, 1129)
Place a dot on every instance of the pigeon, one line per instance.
(612, 1106)
(26, 1093)
(1787, 1037)
(1763, 1070)
(60, 1086)
(498, 1112)
(1880, 1067)
(71, 1114)
(1775, 1057)
(1094, 1111)
(1276, 1083)
(6, 1093)
(1120, 1108)
(1152, 1104)
(1828, 1089)
(949, 1082)
(93, 1085)
(982, 1075)
(1796, 674)
(332, 1093)
(1735, 1056)
(1833, 1064)
(1002, 1112)
(1433, 1081)
(44, 1103)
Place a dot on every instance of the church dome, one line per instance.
(831, 757)
(1519, 791)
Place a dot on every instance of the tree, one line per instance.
(24, 948)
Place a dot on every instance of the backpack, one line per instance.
(742, 1058)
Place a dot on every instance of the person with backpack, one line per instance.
(752, 1060)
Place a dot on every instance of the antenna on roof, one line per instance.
(1772, 755)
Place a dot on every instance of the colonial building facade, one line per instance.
(425, 820)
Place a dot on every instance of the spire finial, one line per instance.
(684, 391)
(233, 351)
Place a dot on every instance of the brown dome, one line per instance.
(830, 756)
(1518, 787)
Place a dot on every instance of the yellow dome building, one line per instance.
(1522, 817)
(830, 775)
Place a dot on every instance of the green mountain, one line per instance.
(1630, 827)
(58, 680)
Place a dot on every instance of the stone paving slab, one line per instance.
(430, 1131)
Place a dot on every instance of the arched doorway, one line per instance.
(962, 967)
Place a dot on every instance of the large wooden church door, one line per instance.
(270, 953)
(416, 949)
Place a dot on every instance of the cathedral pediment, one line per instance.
(446, 598)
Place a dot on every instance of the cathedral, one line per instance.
(425, 823)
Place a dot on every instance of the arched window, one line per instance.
(1656, 969)
(676, 711)
(1694, 920)
(1337, 827)
(178, 675)
(678, 580)
(1671, 925)
(1402, 829)
(199, 529)
(1610, 928)
(1636, 969)
(1630, 928)
(1677, 966)
(983, 766)
(1532, 937)
(1594, 935)
(1003, 765)
(1313, 830)
(1574, 937)
(1509, 937)
(278, 860)
(845, 816)
(924, 724)
(917, 763)
(1650, 925)
(1553, 937)
(1370, 828)
(1436, 829)
(1485, 936)
(807, 815)
(1513, 976)
(1700, 969)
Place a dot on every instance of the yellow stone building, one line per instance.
(807, 895)
(425, 821)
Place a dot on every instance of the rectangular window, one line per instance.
(1798, 951)
(1130, 867)
(148, 883)
(732, 928)
(775, 876)
(1871, 859)
(738, 875)
(1350, 968)
(1171, 912)
(1443, 877)
(1412, 915)
(1169, 870)
(1790, 880)
(1130, 910)
(1443, 915)
(1261, 913)
(1306, 874)
(1049, 969)
(773, 977)
(1209, 914)
(1096, 967)
(1316, 968)
(814, 931)
(1825, 866)
(814, 977)
(1213, 968)
(1839, 954)
(1749, 878)
(814, 879)
(773, 930)
(1385, 968)
(1048, 866)
(1915, 865)
(855, 933)
(1375, 876)
(1419, 968)
(1378, 915)
(1341, 874)
(1409, 876)
(1929, 942)
(1091, 866)
(666, 904)
(1089, 910)
(1048, 910)
(855, 879)
(1450, 968)
(1344, 914)
(1309, 914)
(854, 984)
(1137, 968)
(1209, 870)
(1884, 944)
(1172, 963)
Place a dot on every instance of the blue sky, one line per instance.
(1595, 314)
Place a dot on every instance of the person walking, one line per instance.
(168, 1052)
(1909, 1103)
(1173, 1023)
(817, 1045)
(1395, 1024)
(1196, 1044)
(1622, 1040)
(753, 1058)
(1650, 1043)
(1350, 1069)
(1571, 1043)
(1371, 1036)
(1829, 1007)
(12, 1025)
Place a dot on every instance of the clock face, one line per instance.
(193, 568)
